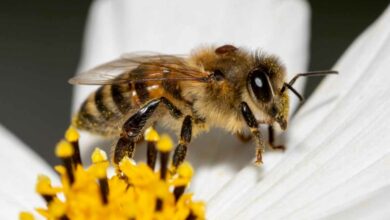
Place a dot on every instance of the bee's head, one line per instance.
(265, 81)
(238, 75)
(256, 78)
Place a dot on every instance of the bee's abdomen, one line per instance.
(105, 109)
(121, 97)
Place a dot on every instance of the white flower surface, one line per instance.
(19, 167)
(337, 164)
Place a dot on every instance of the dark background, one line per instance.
(40, 46)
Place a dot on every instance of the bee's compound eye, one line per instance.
(259, 86)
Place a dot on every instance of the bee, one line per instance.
(227, 87)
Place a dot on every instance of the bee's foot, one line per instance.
(259, 157)
(258, 162)
(278, 147)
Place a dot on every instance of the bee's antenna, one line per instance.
(312, 73)
(300, 97)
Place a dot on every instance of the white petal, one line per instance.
(376, 205)
(19, 168)
(341, 155)
(279, 27)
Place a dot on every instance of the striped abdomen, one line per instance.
(106, 109)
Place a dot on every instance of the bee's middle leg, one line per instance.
(185, 139)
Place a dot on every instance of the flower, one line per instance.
(337, 162)
(136, 191)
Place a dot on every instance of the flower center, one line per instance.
(136, 191)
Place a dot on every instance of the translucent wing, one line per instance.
(135, 67)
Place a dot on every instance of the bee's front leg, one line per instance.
(254, 127)
(271, 138)
(185, 138)
(131, 130)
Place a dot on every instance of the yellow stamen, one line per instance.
(44, 186)
(185, 170)
(135, 192)
(71, 135)
(185, 173)
(64, 149)
(98, 156)
(100, 163)
(151, 134)
(26, 216)
(164, 144)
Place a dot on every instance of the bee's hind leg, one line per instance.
(271, 138)
(131, 131)
(185, 138)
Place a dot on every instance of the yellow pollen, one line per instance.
(26, 216)
(185, 170)
(151, 134)
(185, 173)
(64, 149)
(44, 186)
(71, 134)
(100, 163)
(165, 143)
(98, 156)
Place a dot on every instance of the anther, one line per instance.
(65, 151)
(185, 173)
(45, 189)
(72, 136)
(99, 159)
(26, 216)
(164, 146)
(151, 137)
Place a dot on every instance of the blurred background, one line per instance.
(40, 47)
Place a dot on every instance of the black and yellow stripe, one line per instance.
(102, 97)
(120, 95)
(104, 109)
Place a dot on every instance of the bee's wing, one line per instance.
(146, 67)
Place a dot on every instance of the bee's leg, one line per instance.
(134, 125)
(185, 138)
(271, 138)
(244, 138)
(254, 127)
(173, 110)
(132, 129)
(124, 147)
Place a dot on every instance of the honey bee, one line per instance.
(227, 87)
